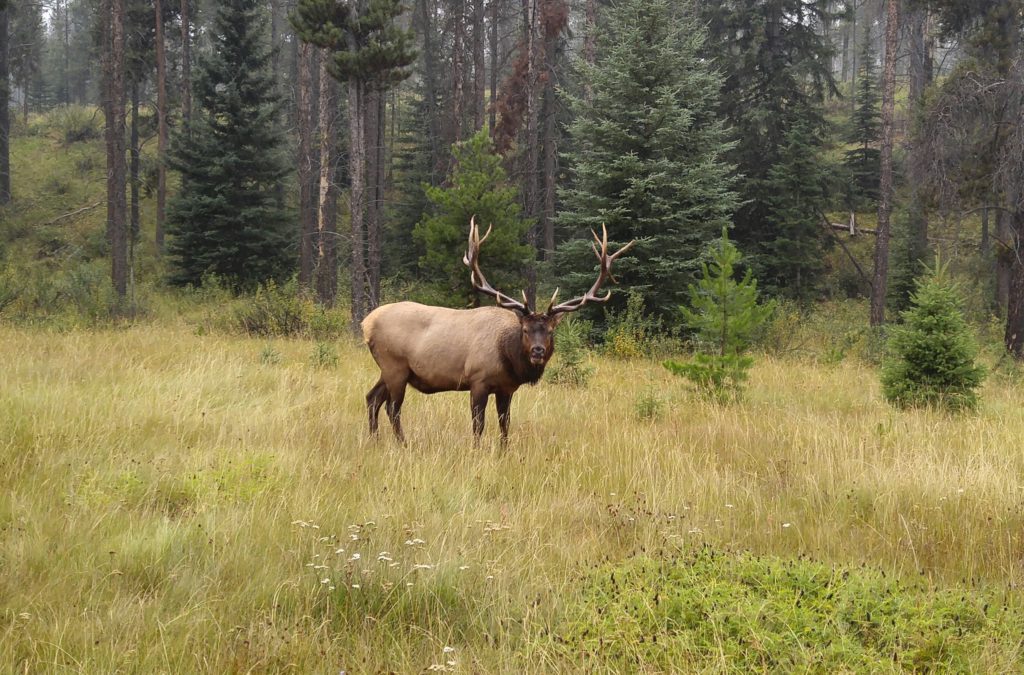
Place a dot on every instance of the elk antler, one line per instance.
(472, 261)
(604, 275)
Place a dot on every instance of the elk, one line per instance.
(486, 350)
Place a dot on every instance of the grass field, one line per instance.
(181, 503)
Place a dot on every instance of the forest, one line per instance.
(787, 439)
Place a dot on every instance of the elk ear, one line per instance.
(553, 321)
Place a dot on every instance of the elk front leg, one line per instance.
(503, 402)
(396, 394)
(478, 404)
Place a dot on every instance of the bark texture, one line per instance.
(879, 284)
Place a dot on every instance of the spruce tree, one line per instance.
(776, 65)
(933, 351)
(863, 162)
(725, 316)
(646, 155)
(226, 220)
(476, 187)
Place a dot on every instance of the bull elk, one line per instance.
(486, 350)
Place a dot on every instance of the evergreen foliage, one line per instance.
(226, 220)
(724, 318)
(933, 351)
(863, 162)
(646, 155)
(477, 187)
(777, 72)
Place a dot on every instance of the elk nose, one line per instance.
(537, 352)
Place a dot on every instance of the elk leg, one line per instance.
(374, 400)
(396, 394)
(478, 404)
(503, 402)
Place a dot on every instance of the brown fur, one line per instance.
(484, 351)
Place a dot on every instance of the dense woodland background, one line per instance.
(339, 149)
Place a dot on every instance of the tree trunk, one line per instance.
(590, 44)
(357, 169)
(327, 236)
(161, 119)
(1004, 260)
(532, 140)
(494, 63)
(479, 66)
(920, 78)
(879, 285)
(66, 64)
(1014, 338)
(5, 114)
(186, 64)
(549, 149)
(133, 167)
(375, 124)
(113, 103)
(306, 172)
(458, 71)
(430, 84)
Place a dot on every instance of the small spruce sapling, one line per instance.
(933, 351)
(724, 318)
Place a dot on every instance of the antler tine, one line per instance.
(472, 260)
(552, 303)
(604, 274)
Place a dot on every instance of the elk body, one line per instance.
(485, 351)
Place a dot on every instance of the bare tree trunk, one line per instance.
(186, 64)
(357, 169)
(532, 139)
(1014, 338)
(327, 237)
(133, 167)
(306, 172)
(430, 83)
(494, 63)
(879, 285)
(5, 114)
(920, 78)
(549, 147)
(66, 74)
(375, 124)
(1004, 260)
(161, 118)
(479, 66)
(458, 71)
(113, 103)
(590, 44)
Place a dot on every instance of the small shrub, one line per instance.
(570, 366)
(74, 124)
(269, 356)
(631, 334)
(649, 405)
(324, 356)
(725, 318)
(933, 352)
(272, 311)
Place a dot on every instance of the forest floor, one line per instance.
(175, 502)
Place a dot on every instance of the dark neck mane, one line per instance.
(516, 363)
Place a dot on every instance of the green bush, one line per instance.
(70, 124)
(725, 318)
(649, 405)
(632, 334)
(324, 356)
(933, 351)
(707, 610)
(571, 355)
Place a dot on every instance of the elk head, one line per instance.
(538, 329)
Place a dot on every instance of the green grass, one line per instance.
(174, 502)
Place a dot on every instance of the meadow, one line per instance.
(182, 502)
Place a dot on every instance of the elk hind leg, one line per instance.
(395, 396)
(374, 400)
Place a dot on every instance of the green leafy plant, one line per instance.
(933, 352)
(725, 318)
(324, 356)
(649, 405)
(570, 367)
(269, 356)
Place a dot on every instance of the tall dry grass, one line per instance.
(175, 503)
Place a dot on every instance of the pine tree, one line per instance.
(724, 318)
(933, 351)
(226, 219)
(776, 67)
(863, 162)
(476, 187)
(646, 155)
